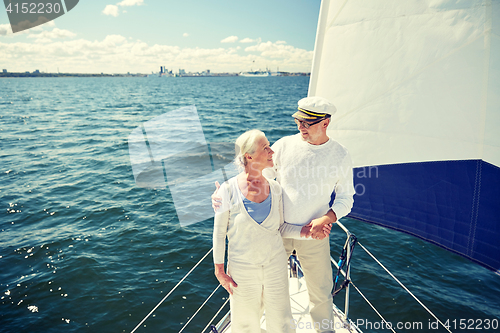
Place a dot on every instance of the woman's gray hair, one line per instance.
(246, 143)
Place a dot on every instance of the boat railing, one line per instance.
(172, 290)
(346, 274)
(347, 284)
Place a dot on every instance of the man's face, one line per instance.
(313, 133)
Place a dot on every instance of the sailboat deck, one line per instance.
(302, 321)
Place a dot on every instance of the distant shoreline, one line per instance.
(14, 74)
(38, 74)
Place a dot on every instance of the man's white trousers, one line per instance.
(314, 257)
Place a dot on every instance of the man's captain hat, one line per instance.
(314, 108)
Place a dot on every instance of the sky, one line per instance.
(139, 36)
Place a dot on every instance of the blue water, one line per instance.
(82, 248)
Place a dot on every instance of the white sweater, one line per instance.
(308, 175)
(248, 241)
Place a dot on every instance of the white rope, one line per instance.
(211, 320)
(402, 285)
(170, 292)
(213, 292)
(374, 309)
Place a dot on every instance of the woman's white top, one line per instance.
(248, 241)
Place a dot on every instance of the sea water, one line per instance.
(83, 248)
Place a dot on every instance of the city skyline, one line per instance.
(139, 36)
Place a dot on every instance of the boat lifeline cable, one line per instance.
(171, 291)
(201, 306)
(213, 318)
(404, 287)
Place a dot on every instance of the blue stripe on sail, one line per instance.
(454, 204)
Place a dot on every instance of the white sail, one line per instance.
(412, 80)
(417, 88)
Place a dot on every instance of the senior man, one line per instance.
(315, 173)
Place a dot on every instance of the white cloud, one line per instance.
(278, 50)
(130, 3)
(43, 40)
(185, 34)
(28, 26)
(111, 10)
(54, 34)
(280, 42)
(230, 39)
(248, 40)
(40, 27)
(118, 54)
(5, 29)
(284, 56)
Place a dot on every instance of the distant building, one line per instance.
(5, 71)
(182, 71)
(36, 72)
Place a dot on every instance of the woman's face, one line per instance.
(262, 157)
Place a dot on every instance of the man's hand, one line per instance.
(317, 225)
(216, 200)
(225, 280)
(306, 231)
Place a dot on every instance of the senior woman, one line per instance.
(251, 217)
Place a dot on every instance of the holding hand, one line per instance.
(317, 228)
(216, 200)
(317, 225)
(307, 231)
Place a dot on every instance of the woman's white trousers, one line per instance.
(261, 287)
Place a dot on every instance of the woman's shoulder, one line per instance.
(274, 185)
(229, 185)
